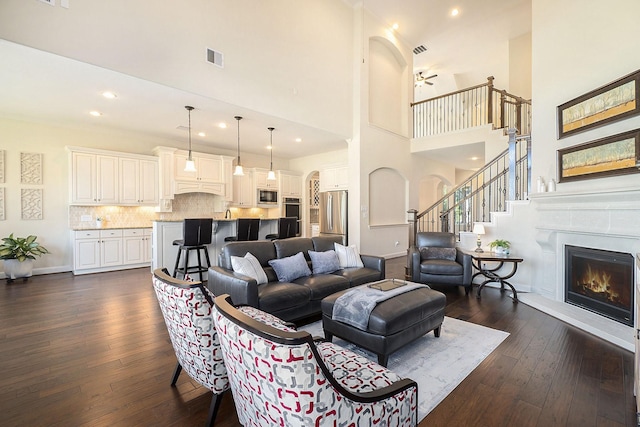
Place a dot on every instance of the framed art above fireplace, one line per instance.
(614, 155)
(612, 102)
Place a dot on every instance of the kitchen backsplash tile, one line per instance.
(190, 205)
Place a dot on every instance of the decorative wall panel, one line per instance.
(2, 216)
(2, 172)
(31, 203)
(31, 168)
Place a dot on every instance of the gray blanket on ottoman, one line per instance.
(355, 306)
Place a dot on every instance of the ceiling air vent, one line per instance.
(419, 49)
(49, 2)
(216, 58)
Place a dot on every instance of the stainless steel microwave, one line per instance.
(267, 197)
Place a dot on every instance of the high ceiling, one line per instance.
(48, 88)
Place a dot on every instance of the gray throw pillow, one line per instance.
(324, 262)
(249, 266)
(438, 253)
(290, 268)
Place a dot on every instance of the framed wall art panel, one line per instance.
(612, 102)
(613, 155)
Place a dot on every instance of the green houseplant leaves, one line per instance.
(21, 248)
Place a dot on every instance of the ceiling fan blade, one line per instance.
(429, 83)
(430, 77)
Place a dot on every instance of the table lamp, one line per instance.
(479, 230)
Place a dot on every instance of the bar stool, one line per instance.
(247, 229)
(287, 227)
(196, 235)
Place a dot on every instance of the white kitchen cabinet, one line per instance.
(334, 178)
(290, 184)
(243, 190)
(261, 181)
(94, 179)
(86, 250)
(111, 249)
(138, 182)
(135, 246)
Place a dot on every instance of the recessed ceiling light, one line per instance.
(298, 139)
(202, 134)
(222, 125)
(109, 95)
(474, 158)
(455, 12)
(95, 113)
(395, 26)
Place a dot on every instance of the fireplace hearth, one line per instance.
(600, 281)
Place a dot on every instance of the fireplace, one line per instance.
(600, 281)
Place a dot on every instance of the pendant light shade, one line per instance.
(238, 171)
(271, 176)
(190, 165)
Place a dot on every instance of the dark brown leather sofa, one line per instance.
(293, 300)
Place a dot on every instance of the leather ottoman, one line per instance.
(393, 323)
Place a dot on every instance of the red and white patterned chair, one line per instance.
(281, 377)
(187, 311)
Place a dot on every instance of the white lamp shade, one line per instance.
(271, 176)
(478, 229)
(238, 171)
(190, 166)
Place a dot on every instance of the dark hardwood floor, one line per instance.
(93, 351)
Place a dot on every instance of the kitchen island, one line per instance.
(164, 252)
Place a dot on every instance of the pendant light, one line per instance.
(271, 176)
(238, 171)
(190, 165)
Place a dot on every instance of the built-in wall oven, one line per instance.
(291, 207)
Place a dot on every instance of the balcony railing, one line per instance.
(475, 106)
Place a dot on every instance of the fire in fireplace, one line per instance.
(600, 281)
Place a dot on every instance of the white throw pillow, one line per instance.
(249, 266)
(348, 256)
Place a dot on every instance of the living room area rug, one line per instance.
(438, 365)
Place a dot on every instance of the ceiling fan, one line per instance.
(421, 80)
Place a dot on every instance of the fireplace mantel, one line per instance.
(601, 219)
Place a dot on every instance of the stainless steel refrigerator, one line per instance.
(333, 214)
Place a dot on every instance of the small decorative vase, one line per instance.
(500, 250)
(14, 269)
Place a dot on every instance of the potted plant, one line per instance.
(500, 246)
(18, 254)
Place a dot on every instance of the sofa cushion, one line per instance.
(291, 267)
(249, 266)
(291, 246)
(348, 256)
(325, 243)
(278, 296)
(359, 276)
(443, 267)
(324, 262)
(263, 250)
(322, 285)
(438, 253)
